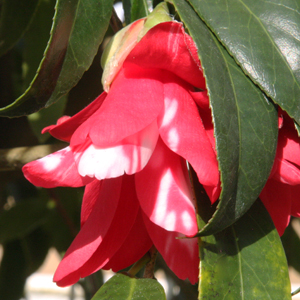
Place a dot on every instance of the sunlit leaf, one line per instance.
(245, 124)
(244, 261)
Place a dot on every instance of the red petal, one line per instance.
(92, 233)
(121, 226)
(166, 46)
(56, 169)
(181, 255)
(164, 193)
(182, 130)
(128, 156)
(277, 198)
(134, 102)
(66, 126)
(134, 247)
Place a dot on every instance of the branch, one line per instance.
(16, 158)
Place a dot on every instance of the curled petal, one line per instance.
(277, 198)
(182, 130)
(129, 156)
(128, 108)
(176, 52)
(164, 193)
(181, 255)
(56, 169)
(66, 126)
(93, 232)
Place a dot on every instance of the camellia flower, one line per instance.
(282, 191)
(129, 147)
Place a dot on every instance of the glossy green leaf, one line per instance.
(69, 54)
(126, 288)
(263, 36)
(15, 18)
(22, 219)
(244, 261)
(245, 124)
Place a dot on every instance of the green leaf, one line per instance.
(21, 219)
(263, 37)
(15, 18)
(245, 261)
(140, 9)
(245, 124)
(78, 29)
(124, 287)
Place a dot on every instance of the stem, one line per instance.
(115, 22)
(297, 291)
(16, 158)
(149, 269)
(137, 266)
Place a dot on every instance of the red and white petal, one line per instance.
(129, 156)
(133, 103)
(56, 169)
(181, 255)
(164, 192)
(134, 247)
(66, 126)
(277, 198)
(182, 130)
(93, 232)
(175, 52)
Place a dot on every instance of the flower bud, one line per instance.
(125, 40)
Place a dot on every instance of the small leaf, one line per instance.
(22, 219)
(245, 124)
(15, 18)
(263, 37)
(78, 29)
(124, 287)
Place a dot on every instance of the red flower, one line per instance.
(129, 147)
(282, 192)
